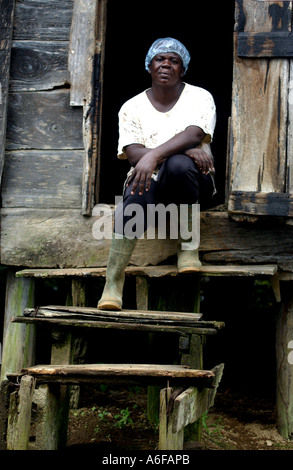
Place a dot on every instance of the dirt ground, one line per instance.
(116, 420)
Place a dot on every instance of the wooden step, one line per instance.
(121, 373)
(180, 322)
(156, 271)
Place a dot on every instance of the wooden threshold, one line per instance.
(155, 271)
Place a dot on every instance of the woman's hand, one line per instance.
(203, 160)
(142, 172)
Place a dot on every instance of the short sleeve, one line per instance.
(203, 114)
(130, 131)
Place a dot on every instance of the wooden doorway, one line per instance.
(206, 29)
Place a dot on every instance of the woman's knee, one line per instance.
(180, 166)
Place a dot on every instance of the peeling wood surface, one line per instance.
(148, 316)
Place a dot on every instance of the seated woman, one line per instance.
(165, 133)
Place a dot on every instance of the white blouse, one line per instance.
(141, 123)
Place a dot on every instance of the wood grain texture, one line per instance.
(39, 65)
(43, 179)
(259, 125)
(43, 120)
(35, 19)
(82, 51)
(258, 150)
(57, 238)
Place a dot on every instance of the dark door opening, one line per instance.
(206, 29)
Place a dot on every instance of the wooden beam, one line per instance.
(261, 203)
(265, 45)
(57, 239)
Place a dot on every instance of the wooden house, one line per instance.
(67, 66)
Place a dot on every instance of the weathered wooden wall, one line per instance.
(53, 138)
(52, 60)
(44, 142)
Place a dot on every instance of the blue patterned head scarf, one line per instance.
(164, 45)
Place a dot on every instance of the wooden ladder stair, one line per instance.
(187, 391)
(199, 386)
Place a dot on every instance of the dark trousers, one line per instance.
(179, 181)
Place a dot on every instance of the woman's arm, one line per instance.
(146, 160)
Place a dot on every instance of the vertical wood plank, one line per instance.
(82, 51)
(19, 421)
(289, 188)
(284, 334)
(51, 429)
(6, 27)
(18, 340)
(78, 289)
(168, 440)
(86, 64)
(259, 125)
(142, 293)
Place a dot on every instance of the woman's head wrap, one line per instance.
(164, 45)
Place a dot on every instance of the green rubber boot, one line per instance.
(119, 256)
(187, 250)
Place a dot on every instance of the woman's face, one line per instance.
(166, 68)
